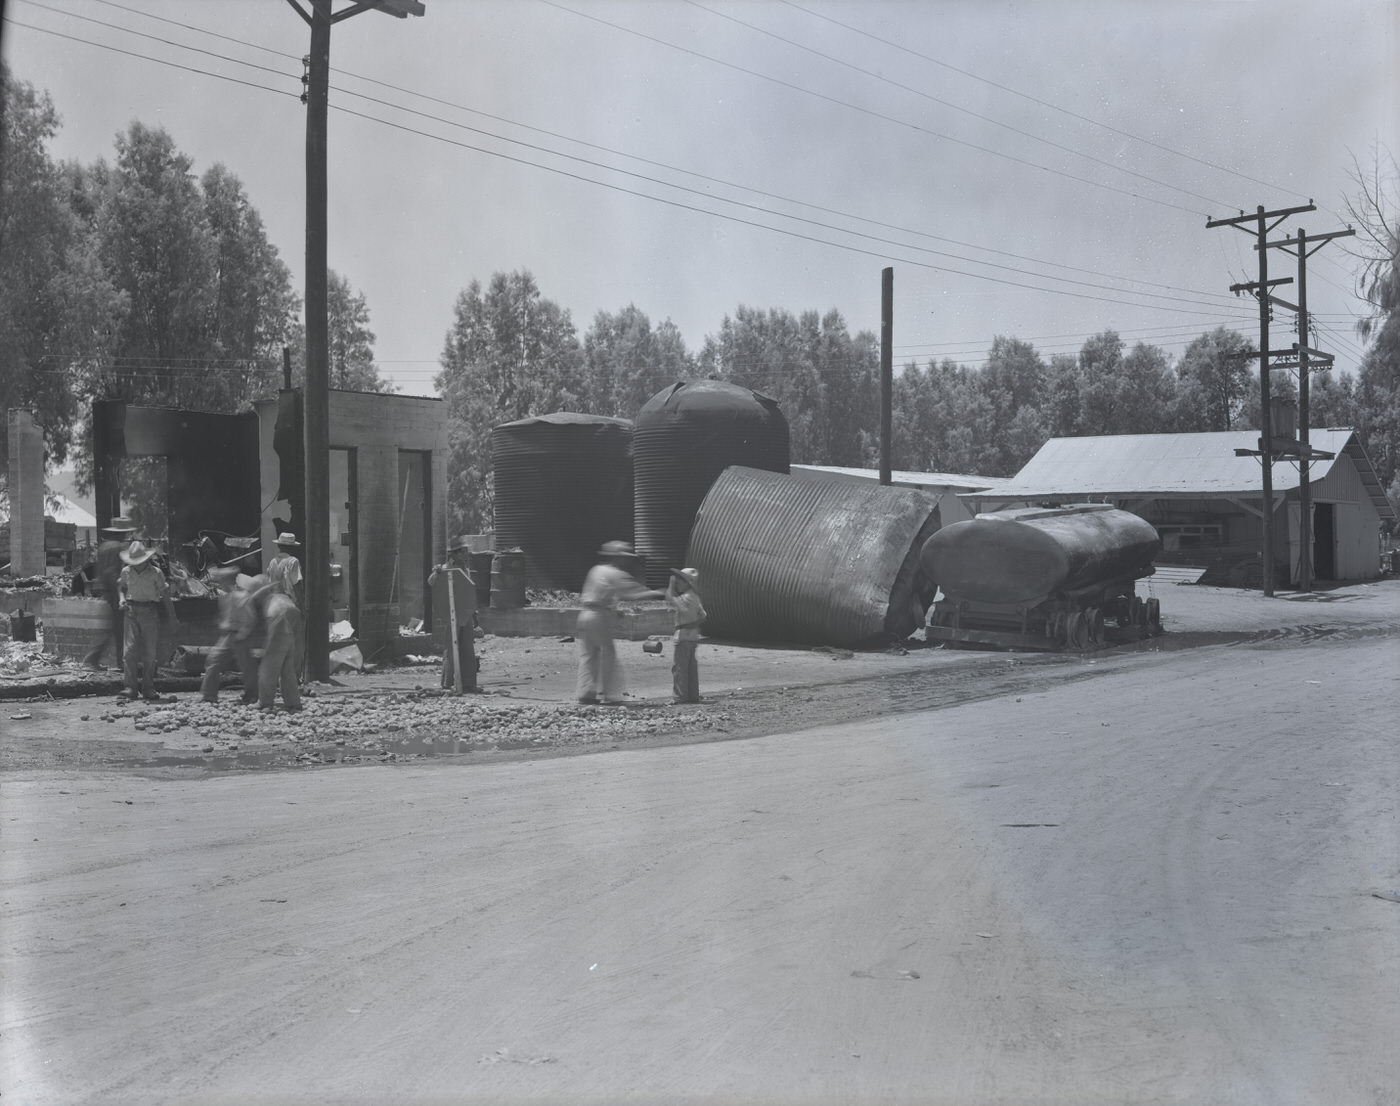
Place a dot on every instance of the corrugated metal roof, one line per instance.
(1172, 464)
(954, 481)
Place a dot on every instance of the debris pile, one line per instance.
(343, 727)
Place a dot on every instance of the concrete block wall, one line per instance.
(71, 626)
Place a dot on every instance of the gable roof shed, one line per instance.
(1165, 466)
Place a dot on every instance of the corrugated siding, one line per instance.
(809, 561)
(563, 487)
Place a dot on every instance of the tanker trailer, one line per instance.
(1048, 578)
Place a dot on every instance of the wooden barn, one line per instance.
(1207, 502)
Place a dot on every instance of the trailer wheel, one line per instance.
(1076, 633)
(1154, 613)
(1093, 620)
(1136, 612)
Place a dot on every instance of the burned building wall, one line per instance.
(211, 465)
(389, 475)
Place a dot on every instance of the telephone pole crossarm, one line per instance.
(1254, 285)
(1278, 216)
(1316, 241)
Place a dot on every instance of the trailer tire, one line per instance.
(1076, 632)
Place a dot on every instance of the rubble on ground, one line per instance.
(341, 728)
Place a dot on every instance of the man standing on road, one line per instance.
(462, 604)
(284, 572)
(144, 592)
(599, 674)
(237, 619)
(284, 630)
(115, 539)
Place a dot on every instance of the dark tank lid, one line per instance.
(702, 399)
(565, 418)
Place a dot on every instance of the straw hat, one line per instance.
(120, 525)
(616, 549)
(459, 543)
(138, 553)
(688, 576)
(288, 540)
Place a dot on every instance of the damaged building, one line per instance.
(229, 484)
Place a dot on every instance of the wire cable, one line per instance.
(869, 111)
(1037, 100)
(977, 261)
(956, 107)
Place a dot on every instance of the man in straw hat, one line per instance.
(144, 592)
(454, 616)
(683, 595)
(284, 573)
(116, 537)
(600, 675)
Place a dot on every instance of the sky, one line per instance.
(1040, 169)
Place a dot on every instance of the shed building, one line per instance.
(1207, 502)
(947, 486)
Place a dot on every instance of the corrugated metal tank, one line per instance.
(563, 487)
(816, 562)
(683, 439)
(1023, 555)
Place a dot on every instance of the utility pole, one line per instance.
(886, 372)
(1306, 358)
(316, 399)
(1262, 226)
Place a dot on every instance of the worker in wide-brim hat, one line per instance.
(284, 571)
(600, 677)
(460, 601)
(143, 594)
(119, 527)
(106, 569)
(682, 592)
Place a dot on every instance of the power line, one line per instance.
(774, 230)
(1035, 99)
(201, 30)
(956, 107)
(669, 202)
(156, 38)
(147, 57)
(867, 111)
(753, 207)
(609, 168)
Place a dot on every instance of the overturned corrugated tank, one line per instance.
(814, 562)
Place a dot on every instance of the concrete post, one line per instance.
(26, 477)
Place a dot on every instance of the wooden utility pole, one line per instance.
(1307, 357)
(1262, 226)
(316, 457)
(886, 372)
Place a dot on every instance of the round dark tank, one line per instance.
(683, 438)
(563, 487)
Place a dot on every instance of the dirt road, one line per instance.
(1168, 877)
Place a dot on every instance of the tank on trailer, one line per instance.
(1042, 578)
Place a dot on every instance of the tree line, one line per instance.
(140, 281)
(512, 353)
